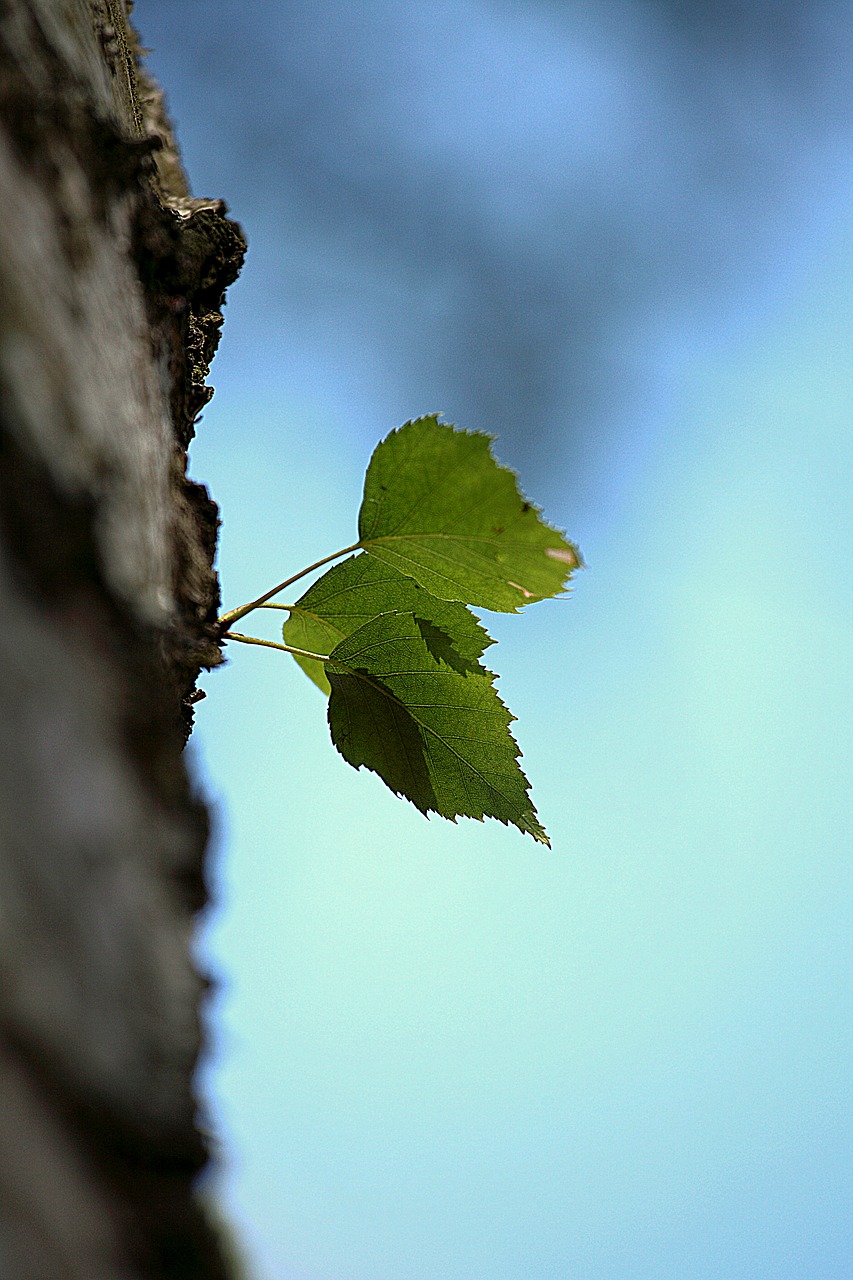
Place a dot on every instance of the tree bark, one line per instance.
(111, 285)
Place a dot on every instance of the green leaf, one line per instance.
(439, 508)
(359, 588)
(437, 736)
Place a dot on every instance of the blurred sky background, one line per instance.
(618, 236)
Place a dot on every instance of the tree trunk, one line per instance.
(111, 285)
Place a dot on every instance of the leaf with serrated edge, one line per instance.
(438, 737)
(439, 508)
(359, 588)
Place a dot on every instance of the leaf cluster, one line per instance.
(389, 637)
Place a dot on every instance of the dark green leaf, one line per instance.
(434, 735)
(358, 589)
(439, 508)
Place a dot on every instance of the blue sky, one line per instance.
(621, 240)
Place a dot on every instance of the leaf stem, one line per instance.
(234, 614)
(270, 644)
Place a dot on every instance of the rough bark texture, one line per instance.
(111, 285)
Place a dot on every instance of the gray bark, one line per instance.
(111, 284)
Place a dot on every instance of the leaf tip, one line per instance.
(534, 828)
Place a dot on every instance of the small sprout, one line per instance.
(388, 636)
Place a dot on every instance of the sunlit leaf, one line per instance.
(359, 588)
(438, 507)
(433, 734)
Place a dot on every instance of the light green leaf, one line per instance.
(439, 508)
(437, 736)
(359, 588)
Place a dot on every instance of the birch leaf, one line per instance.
(439, 508)
(360, 588)
(437, 736)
